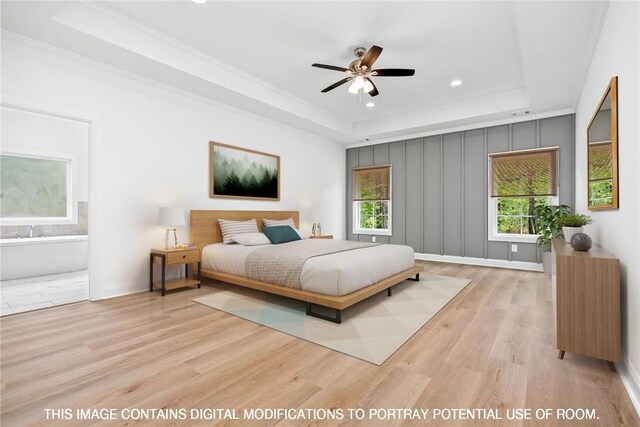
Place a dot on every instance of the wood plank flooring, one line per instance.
(491, 347)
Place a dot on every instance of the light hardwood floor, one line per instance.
(491, 347)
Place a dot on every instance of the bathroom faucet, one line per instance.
(31, 231)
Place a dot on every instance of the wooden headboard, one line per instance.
(205, 229)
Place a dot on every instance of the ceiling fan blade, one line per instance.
(374, 91)
(371, 56)
(393, 72)
(330, 67)
(336, 84)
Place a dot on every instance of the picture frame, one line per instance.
(241, 173)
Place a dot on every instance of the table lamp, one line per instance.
(316, 229)
(172, 218)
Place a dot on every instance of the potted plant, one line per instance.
(572, 224)
(546, 219)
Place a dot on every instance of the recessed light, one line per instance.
(199, 1)
(370, 104)
(456, 83)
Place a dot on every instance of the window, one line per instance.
(372, 200)
(518, 182)
(35, 188)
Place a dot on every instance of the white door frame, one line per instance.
(95, 183)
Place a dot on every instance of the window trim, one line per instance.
(72, 190)
(371, 231)
(492, 215)
(492, 202)
(355, 223)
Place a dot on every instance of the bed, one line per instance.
(334, 281)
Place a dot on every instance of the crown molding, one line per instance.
(466, 127)
(19, 39)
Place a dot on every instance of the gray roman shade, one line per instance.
(530, 173)
(372, 183)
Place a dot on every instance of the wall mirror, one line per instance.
(602, 152)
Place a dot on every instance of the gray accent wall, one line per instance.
(440, 186)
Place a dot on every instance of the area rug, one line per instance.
(371, 330)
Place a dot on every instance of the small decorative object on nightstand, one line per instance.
(326, 236)
(166, 257)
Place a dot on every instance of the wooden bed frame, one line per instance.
(205, 231)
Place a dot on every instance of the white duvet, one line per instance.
(334, 274)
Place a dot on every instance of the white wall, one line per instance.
(618, 231)
(150, 149)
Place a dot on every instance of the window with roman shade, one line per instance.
(531, 173)
(372, 200)
(520, 181)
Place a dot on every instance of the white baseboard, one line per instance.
(487, 262)
(631, 381)
(120, 290)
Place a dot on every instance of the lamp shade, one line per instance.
(171, 216)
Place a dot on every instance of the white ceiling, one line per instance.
(511, 56)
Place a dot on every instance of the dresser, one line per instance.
(586, 302)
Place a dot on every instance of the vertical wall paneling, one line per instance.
(441, 194)
(539, 251)
(510, 149)
(380, 154)
(432, 195)
(485, 183)
(556, 131)
(475, 190)
(497, 141)
(440, 186)
(381, 157)
(413, 202)
(524, 138)
(396, 158)
(524, 135)
(365, 156)
(452, 200)
(352, 162)
(462, 188)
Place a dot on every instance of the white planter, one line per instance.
(570, 231)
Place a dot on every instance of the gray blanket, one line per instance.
(282, 264)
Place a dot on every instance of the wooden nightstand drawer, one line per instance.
(324, 236)
(184, 256)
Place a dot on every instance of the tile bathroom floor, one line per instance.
(32, 293)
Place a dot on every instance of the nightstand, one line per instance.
(325, 236)
(166, 257)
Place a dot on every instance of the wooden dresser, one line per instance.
(586, 302)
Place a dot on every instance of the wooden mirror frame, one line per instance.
(612, 89)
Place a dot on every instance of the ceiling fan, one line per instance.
(360, 71)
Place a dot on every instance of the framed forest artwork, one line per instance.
(236, 172)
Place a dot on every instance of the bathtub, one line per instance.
(38, 256)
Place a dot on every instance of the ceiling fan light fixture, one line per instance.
(456, 83)
(199, 1)
(370, 104)
(368, 86)
(361, 71)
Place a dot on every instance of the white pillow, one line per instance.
(251, 239)
(232, 228)
(289, 222)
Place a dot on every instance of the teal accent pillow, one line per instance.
(280, 234)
